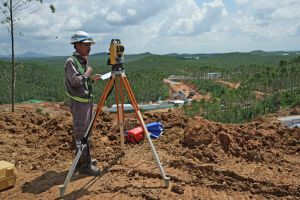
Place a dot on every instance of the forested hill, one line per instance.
(237, 58)
(43, 78)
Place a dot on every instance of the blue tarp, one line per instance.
(155, 129)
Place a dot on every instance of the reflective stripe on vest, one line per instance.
(79, 99)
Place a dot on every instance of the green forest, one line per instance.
(273, 75)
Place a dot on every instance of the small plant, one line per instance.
(39, 110)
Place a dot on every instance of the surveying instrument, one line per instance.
(119, 80)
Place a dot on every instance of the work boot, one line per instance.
(93, 162)
(90, 170)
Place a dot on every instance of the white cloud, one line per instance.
(268, 19)
(288, 12)
(163, 26)
(187, 18)
(131, 12)
(113, 17)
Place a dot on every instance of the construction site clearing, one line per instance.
(204, 159)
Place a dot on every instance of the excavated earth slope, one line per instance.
(204, 159)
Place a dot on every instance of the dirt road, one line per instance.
(204, 159)
(185, 89)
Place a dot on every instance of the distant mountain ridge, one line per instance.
(31, 54)
(209, 55)
(131, 57)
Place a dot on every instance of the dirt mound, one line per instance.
(251, 141)
(32, 140)
(204, 159)
(263, 145)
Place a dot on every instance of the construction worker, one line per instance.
(78, 80)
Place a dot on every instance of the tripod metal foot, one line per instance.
(167, 181)
(62, 189)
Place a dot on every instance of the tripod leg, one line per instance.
(137, 110)
(118, 86)
(122, 113)
(104, 95)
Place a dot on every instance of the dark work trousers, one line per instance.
(82, 116)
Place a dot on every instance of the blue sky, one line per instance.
(162, 26)
(230, 5)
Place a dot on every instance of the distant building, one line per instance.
(291, 121)
(177, 102)
(213, 75)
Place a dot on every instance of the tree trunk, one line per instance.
(13, 77)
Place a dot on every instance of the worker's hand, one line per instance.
(88, 72)
(96, 77)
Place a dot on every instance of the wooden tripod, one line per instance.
(119, 79)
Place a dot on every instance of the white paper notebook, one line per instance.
(106, 76)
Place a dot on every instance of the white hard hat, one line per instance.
(81, 36)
